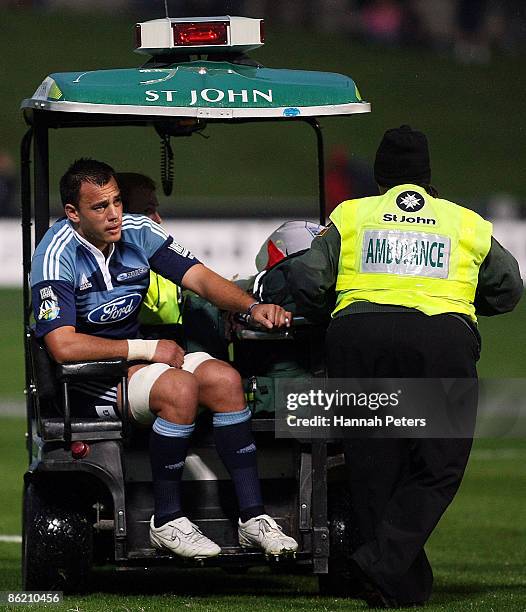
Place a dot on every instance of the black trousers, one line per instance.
(401, 487)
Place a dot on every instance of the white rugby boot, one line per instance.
(263, 532)
(183, 538)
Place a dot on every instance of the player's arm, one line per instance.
(178, 264)
(228, 296)
(65, 344)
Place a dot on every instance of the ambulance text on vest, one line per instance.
(410, 253)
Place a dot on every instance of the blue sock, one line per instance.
(169, 444)
(236, 447)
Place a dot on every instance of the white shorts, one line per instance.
(141, 383)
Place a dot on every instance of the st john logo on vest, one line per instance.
(410, 201)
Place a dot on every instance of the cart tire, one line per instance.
(339, 581)
(57, 543)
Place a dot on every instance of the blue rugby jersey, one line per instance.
(74, 284)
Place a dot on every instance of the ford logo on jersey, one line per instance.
(116, 310)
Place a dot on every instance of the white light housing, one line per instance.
(199, 35)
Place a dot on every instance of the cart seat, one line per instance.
(55, 415)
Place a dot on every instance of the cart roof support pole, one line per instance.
(25, 184)
(321, 167)
(41, 180)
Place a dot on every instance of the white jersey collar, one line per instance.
(102, 261)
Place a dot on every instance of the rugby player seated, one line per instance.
(90, 274)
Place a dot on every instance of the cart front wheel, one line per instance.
(57, 544)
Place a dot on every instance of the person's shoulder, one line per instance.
(132, 222)
(128, 217)
(55, 253)
(353, 203)
(463, 208)
(357, 202)
(135, 227)
(56, 240)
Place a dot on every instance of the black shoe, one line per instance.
(371, 592)
(376, 599)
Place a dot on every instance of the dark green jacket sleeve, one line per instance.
(500, 285)
(312, 276)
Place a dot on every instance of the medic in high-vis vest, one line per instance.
(411, 271)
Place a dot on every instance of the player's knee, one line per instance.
(178, 398)
(225, 388)
(224, 377)
(185, 390)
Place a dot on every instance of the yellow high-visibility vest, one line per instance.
(161, 305)
(407, 248)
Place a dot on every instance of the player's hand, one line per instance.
(271, 315)
(169, 352)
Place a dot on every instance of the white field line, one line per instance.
(16, 539)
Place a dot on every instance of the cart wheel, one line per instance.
(339, 582)
(57, 543)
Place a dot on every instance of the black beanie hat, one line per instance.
(402, 157)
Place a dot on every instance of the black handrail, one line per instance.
(41, 179)
(25, 203)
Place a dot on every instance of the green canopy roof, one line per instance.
(207, 89)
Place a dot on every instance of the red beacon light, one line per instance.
(198, 35)
(215, 33)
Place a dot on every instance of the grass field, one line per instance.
(477, 551)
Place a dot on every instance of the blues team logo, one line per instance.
(410, 201)
(49, 308)
(116, 310)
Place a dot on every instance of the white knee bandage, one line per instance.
(139, 388)
(193, 360)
